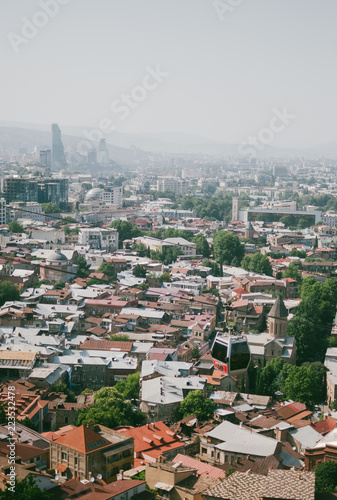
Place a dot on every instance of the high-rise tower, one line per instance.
(58, 158)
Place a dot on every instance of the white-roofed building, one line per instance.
(228, 442)
(162, 396)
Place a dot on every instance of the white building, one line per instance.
(108, 196)
(25, 210)
(177, 186)
(185, 246)
(99, 239)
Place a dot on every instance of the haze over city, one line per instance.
(227, 68)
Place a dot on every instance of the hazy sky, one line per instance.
(225, 76)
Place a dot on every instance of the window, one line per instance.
(204, 451)
(64, 456)
(226, 459)
(76, 460)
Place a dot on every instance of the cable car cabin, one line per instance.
(231, 355)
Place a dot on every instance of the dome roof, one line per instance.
(94, 194)
(57, 256)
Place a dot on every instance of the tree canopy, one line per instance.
(108, 269)
(312, 321)
(227, 247)
(257, 263)
(130, 387)
(126, 230)
(326, 477)
(196, 404)
(51, 208)
(27, 489)
(83, 267)
(15, 227)
(303, 385)
(139, 271)
(8, 292)
(110, 409)
(202, 245)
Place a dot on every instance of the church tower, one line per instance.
(236, 205)
(277, 319)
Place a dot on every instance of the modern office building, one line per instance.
(45, 157)
(27, 189)
(54, 191)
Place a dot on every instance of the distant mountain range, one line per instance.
(130, 148)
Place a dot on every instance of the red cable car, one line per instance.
(231, 354)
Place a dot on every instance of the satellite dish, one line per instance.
(99, 476)
(92, 479)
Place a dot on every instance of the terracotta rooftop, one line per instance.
(201, 467)
(82, 439)
(106, 345)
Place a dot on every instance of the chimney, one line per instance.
(120, 476)
(89, 474)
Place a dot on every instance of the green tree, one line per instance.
(83, 267)
(215, 269)
(109, 269)
(298, 253)
(51, 208)
(8, 292)
(196, 404)
(303, 385)
(15, 227)
(293, 271)
(126, 230)
(195, 353)
(320, 370)
(169, 254)
(326, 477)
(130, 387)
(202, 245)
(257, 263)
(165, 278)
(27, 489)
(139, 271)
(60, 284)
(226, 247)
(95, 281)
(110, 409)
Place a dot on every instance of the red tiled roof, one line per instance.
(80, 438)
(22, 450)
(324, 426)
(106, 345)
(153, 439)
(202, 468)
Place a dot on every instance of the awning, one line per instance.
(61, 467)
(163, 486)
